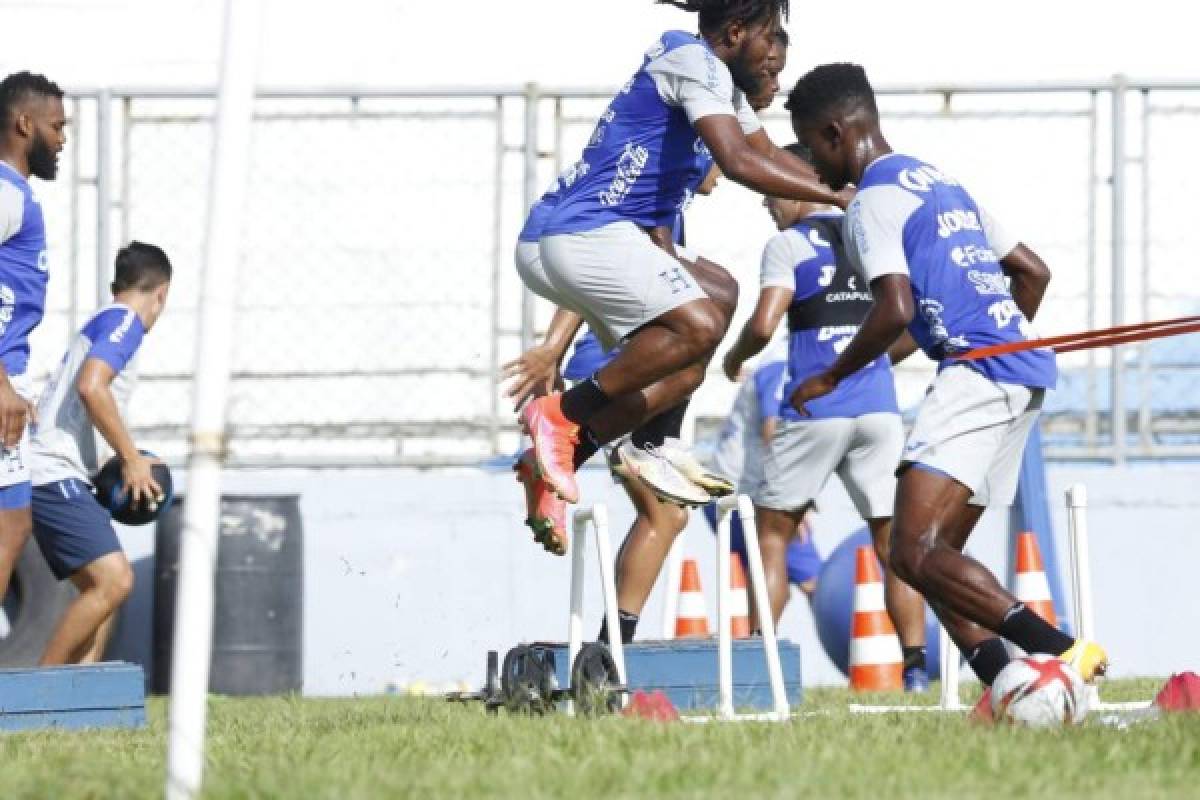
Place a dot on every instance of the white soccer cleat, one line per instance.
(663, 477)
(685, 461)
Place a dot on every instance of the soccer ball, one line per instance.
(1039, 691)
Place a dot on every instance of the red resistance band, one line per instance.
(1086, 340)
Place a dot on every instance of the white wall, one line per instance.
(412, 576)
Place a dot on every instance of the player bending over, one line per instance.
(595, 248)
(32, 134)
(89, 393)
(855, 431)
(941, 266)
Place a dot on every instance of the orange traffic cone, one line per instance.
(876, 663)
(739, 623)
(1032, 588)
(691, 621)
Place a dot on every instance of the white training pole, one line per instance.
(673, 574)
(1081, 574)
(192, 647)
(762, 603)
(575, 620)
(725, 708)
(948, 651)
(608, 582)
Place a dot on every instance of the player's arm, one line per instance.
(94, 385)
(902, 348)
(14, 409)
(773, 302)
(761, 141)
(535, 372)
(1030, 277)
(740, 161)
(1026, 270)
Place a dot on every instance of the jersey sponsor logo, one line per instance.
(952, 222)
(701, 149)
(922, 179)
(972, 254)
(931, 312)
(835, 331)
(827, 273)
(630, 166)
(8, 304)
(847, 297)
(117, 335)
(988, 283)
(711, 79)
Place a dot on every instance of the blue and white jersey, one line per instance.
(64, 443)
(829, 301)
(910, 218)
(642, 155)
(704, 163)
(23, 262)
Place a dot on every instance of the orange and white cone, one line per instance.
(1032, 588)
(876, 662)
(739, 624)
(691, 620)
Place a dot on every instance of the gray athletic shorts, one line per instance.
(615, 277)
(803, 454)
(974, 430)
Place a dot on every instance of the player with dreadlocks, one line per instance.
(32, 125)
(939, 264)
(599, 258)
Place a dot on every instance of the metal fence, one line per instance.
(377, 297)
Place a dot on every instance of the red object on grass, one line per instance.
(654, 706)
(1180, 693)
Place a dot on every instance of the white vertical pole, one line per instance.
(575, 622)
(724, 622)
(1081, 572)
(949, 671)
(104, 251)
(1119, 160)
(762, 603)
(192, 649)
(608, 582)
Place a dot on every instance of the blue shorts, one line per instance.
(803, 560)
(71, 527)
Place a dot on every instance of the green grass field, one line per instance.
(389, 747)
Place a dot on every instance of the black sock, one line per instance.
(583, 400)
(587, 446)
(987, 659)
(657, 429)
(914, 657)
(1031, 633)
(628, 622)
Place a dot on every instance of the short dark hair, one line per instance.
(715, 15)
(141, 266)
(17, 87)
(831, 86)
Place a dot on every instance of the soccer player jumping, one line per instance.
(595, 247)
(940, 265)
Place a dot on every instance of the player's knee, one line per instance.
(906, 559)
(116, 583)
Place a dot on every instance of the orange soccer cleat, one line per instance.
(554, 439)
(546, 514)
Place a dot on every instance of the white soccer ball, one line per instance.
(1039, 691)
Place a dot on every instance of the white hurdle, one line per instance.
(758, 582)
(1081, 588)
(597, 515)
